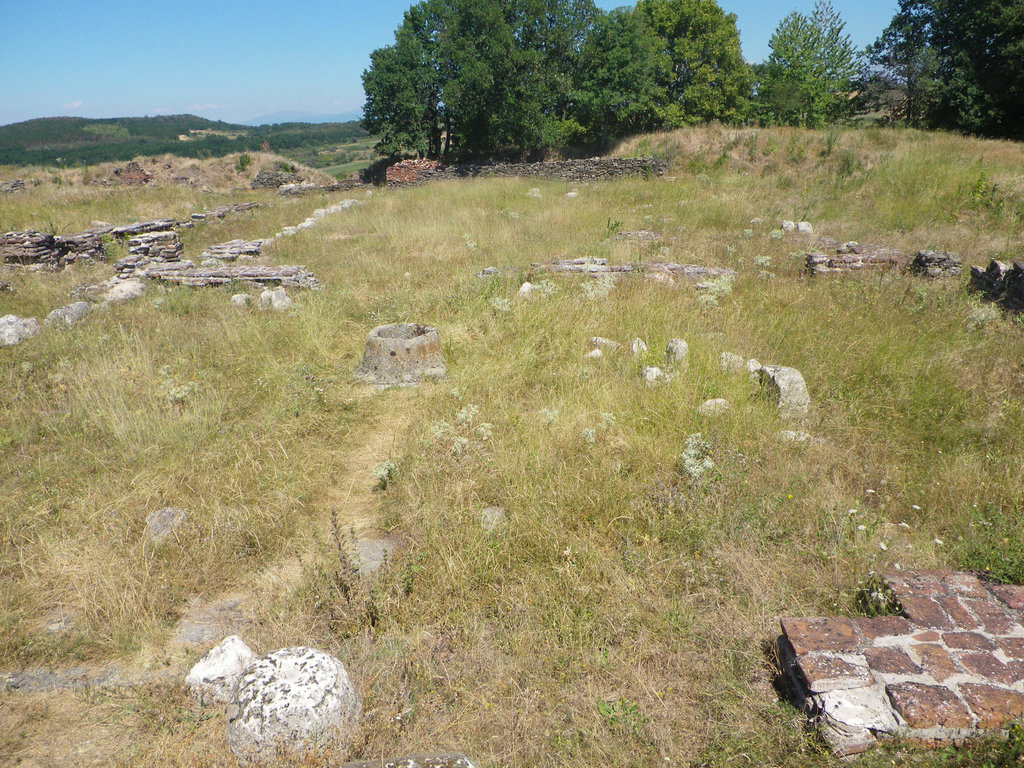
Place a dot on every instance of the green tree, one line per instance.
(618, 92)
(704, 75)
(807, 78)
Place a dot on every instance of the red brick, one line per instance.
(936, 661)
(927, 637)
(923, 583)
(890, 660)
(1013, 647)
(961, 618)
(1016, 670)
(1009, 594)
(812, 635)
(823, 672)
(992, 617)
(988, 666)
(884, 626)
(992, 705)
(926, 706)
(967, 641)
(925, 612)
(964, 584)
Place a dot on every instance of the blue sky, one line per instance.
(233, 61)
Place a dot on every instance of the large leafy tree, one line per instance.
(808, 76)
(619, 91)
(704, 75)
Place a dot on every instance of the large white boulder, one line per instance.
(788, 387)
(215, 676)
(289, 702)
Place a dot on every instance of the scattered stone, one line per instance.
(203, 623)
(488, 272)
(638, 348)
(68, 315)
(789, 436)
(428, 760)
(788, 387)
(526, 290)
(163, 523)
(730, 362)
(58, 620)
(534, 192)
(241, 300)
(804, 227)
(289, 702)
(603, 344)
(133, 174)
(401, 354)
(372, 554)
(788, 226)
(639, 235)
(408, 171)
(302, 188)
(214, 676)
(6, 287)
(14, 185)
(14, 329)
(572, 193)
(1001, 282)
(492, 517)
(713, 407)
(276, 299)
(676, 353)
(947, 670)
(652, 375)
(211, 263)
(598, 266)
(594, 354)
(124, 290)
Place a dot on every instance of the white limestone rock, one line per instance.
(68, 315)
(676, 353)
(788, 226)
(276, 299)
(713, 407)
(526, 290)
(804, 227)
(638, 348)
(653, 375)
(214, 676)
(605, 345)
(124, 290)
(288, 702)
(241, 300)
(162, 524)
(730, 362)
(790, 436)
(594, 354)
(14, 329)
(787, 386)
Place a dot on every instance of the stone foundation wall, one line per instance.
(595, 169)
(1001, 282)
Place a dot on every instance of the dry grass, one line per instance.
(621, 613)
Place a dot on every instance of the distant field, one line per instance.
(623, 611)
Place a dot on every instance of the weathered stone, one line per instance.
(986, 665)
(730, 362)
(955, 610)
(289, 702)
(13, 185)
(205, 622)
(936, 661)
(276, 299)
(836, 635)
(1013, 647)
(676, 353)
(402, 354)
(788, 388)
(162, 524)
(823, 672)
(492, 517)
(593, 169)
(30, 247)
(639, 235)
(488, 272)
(188, 274)
(526, 290)
(124, 290)
(854, 711)
(936, 264)
(967, 641)
(652, 375)
(992, 705)
(1001, 282)
(804, 227)
(789, 436)
(14, 329)
(372, 554)
(852, 257)
(890, 660)
(926, 706)
(788, 226)
(993, 618)
(68, 315)
(594, 354)
(638, 347)
(233, 250)
(427, 760)
(214, 676)
(601, 266)
(241, 300)
(268, 179)
(883, 626)
(713, 407)
(605, 345)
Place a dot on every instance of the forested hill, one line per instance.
(79, 140)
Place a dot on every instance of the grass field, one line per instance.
(623, 612)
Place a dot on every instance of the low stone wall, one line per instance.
(594, 169)
(1001, 282)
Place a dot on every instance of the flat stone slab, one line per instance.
(949, 667)
(427, 760)
(601, 266)
(205, 624)
(185, 273)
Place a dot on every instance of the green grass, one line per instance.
(622, 613)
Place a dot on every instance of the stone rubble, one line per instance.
(851, 257)
(14, 185)
(593, 169)
(69, 314)
(232, 250)
(951, 665)
(936, 264)
(214, 677)
(14, 329)
(597, 266)
(1001, 282)
(276, 299)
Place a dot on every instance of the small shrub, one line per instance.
(695, 460)
(244, 161)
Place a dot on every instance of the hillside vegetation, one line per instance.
(624, 611)
(81, 141)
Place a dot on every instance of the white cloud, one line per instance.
(73, 104)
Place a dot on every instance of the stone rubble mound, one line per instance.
(274, 179)
(950, 665)
(835, 257)
(232, 250)
(1001, 282)
(14, 185)
(936, 264)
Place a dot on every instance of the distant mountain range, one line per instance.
(303, 117)
(80, 140)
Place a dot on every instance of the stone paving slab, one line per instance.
(950, 666)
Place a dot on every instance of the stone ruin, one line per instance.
(594, 169)
(400, 355)
(14, 185)
(1001, 282)
(950, 665)
(133, 174)
(186, 273)
(408, 171)
(833, 257)
(273, 179)
(601, 266)
(232, 250)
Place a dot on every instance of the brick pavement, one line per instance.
(951, 665)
